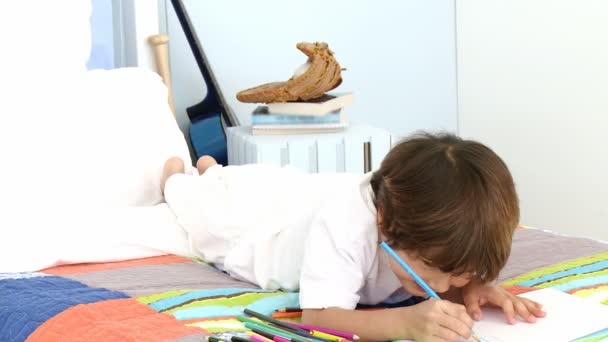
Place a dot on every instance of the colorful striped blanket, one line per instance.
(171, 298)
(585, 277)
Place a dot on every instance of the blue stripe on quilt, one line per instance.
(26, 303)
(265, 306)
(170, 302)
(573, 271)
(601, 333)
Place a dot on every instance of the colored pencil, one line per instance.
(327, 336)
(289, 310)
(416, 278)
(214, 339)
(276, 332)
(273, 337)
(246, 319)
(257, 337)
(291, 314)
(239, 339)
(281, 339)
(333, 332)
(263, 333)
(273, 321)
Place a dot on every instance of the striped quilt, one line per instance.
(167, 298)
(170, 298)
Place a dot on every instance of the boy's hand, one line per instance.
(438, 320)
(476, 295)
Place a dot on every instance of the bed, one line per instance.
(173, 298)
(105, 260)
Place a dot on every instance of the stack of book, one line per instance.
(322, 115)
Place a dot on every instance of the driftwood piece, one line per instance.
(322, 74)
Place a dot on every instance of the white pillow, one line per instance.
(123, 131)
(97, 138)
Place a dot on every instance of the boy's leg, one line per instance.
(172, 166)
(204, 163)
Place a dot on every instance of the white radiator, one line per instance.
(358, 149)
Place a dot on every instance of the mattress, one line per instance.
(171, 298)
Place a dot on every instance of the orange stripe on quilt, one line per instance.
(95, 267)
(588, 290)
(517, 290)
(112, 320)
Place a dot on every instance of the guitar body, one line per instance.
(209, 117)
(208, 137)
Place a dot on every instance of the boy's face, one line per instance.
(439, 281)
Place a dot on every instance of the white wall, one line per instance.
(533, 84)
(400, 55)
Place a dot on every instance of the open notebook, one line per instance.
(568, 318)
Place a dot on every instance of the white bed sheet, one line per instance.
(91, 235)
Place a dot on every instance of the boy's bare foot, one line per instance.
(172, 166)
(204, 163)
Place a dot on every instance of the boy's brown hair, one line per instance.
(451, 201)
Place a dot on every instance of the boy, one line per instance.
(448, 207)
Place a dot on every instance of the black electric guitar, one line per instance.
(210, 116)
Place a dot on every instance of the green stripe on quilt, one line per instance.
(571, 278)
(557, 267)
(159, 296)
(241, 300)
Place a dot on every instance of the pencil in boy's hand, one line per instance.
(416, 278)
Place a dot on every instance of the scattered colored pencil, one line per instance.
(273, 321)
(271, 336)
(263, 333)
(291, 314)
(327, 336)
(289, 310)
(214, 339)
(257, 337)
(333, 332)
(275, 331)
(239, 339)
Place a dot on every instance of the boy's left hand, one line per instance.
(476, 295)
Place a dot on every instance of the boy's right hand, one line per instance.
(437, 320)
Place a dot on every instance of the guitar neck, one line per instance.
(214, 102)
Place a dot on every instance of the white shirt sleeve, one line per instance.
(334, 268)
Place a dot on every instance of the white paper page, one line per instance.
(568, 318)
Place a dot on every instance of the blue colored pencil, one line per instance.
(416, 278)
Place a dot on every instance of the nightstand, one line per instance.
(360, 148)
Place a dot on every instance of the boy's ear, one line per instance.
(380, 218)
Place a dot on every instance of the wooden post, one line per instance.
(161, 55)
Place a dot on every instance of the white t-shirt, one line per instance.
(281, 228)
